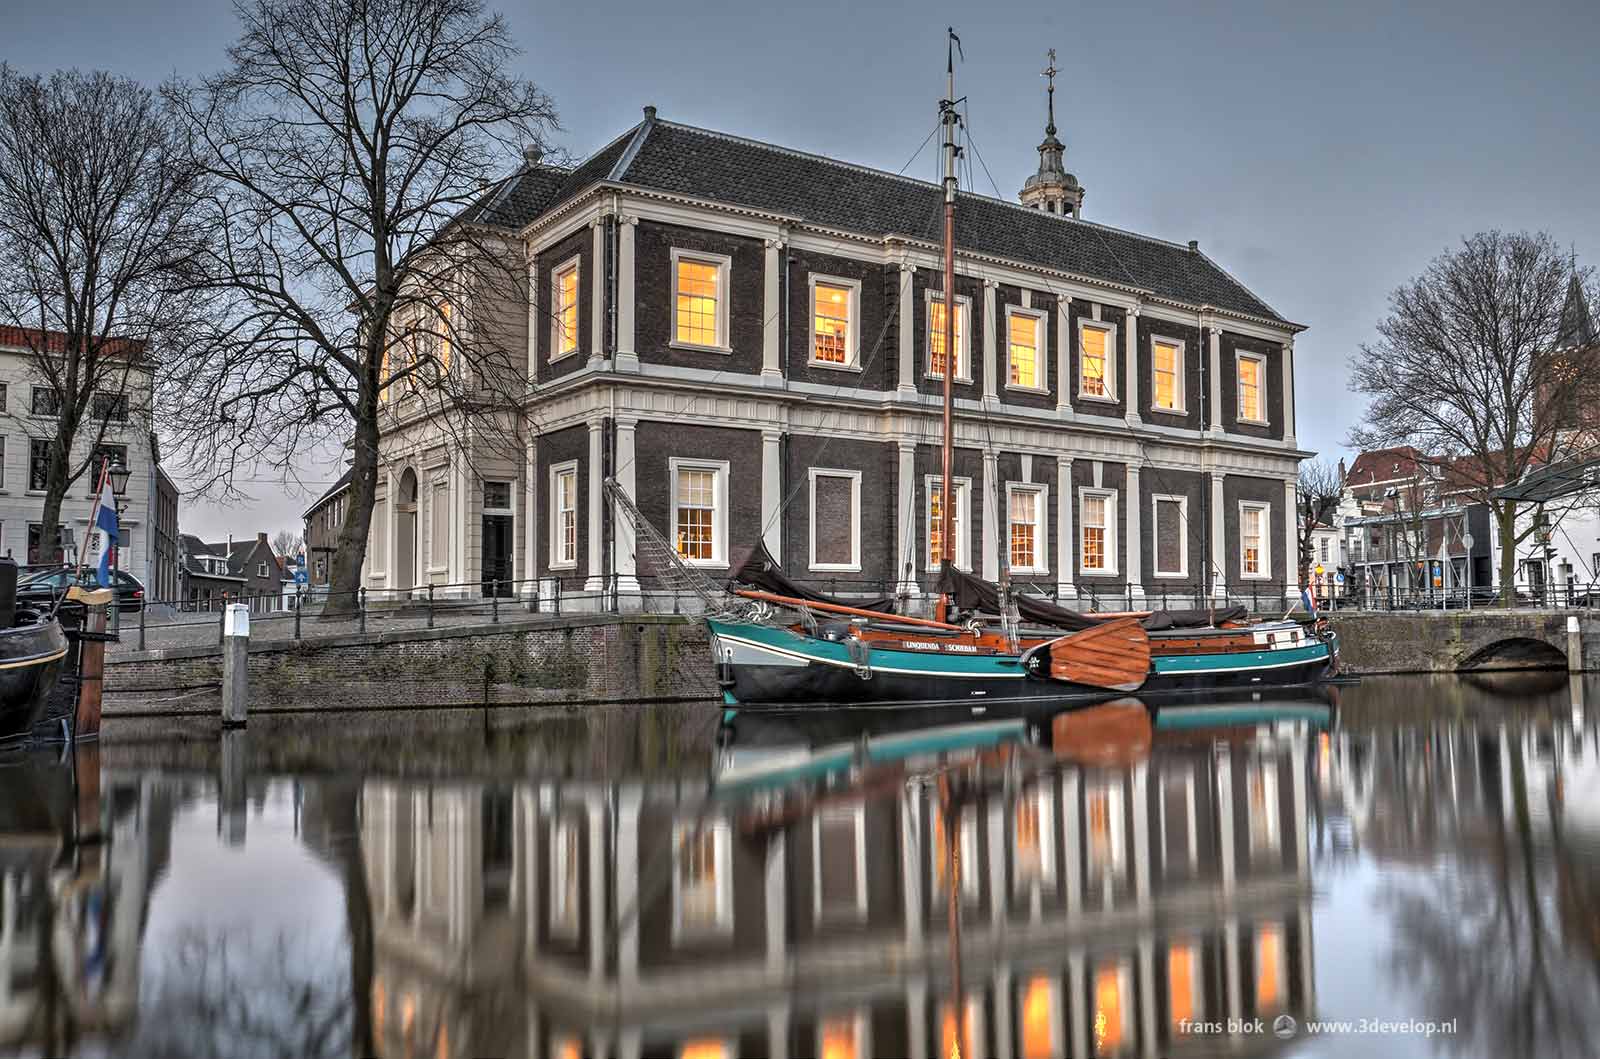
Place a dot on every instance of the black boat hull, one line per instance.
(31, 657)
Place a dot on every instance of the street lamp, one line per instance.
(119, 481)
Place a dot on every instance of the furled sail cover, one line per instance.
(759, 570)
(973, 593)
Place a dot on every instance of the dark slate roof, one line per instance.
(525, 194)
(1577, 324)
(697, 162)
(333, 490)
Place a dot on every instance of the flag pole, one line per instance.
(94, 512)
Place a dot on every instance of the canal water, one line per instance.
(1413, 870)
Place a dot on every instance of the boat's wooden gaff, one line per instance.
(1115, 656)
(835, 608)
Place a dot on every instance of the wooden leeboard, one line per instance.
(1115, 655)
(1110, 734)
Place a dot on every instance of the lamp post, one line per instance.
(119, 473)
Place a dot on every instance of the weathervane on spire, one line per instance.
(1050, 72)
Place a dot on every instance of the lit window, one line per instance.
(968, 868)
(1112, 992)
(1183, 987)
(1262, 787)
(935, 490)
(1096, 539)
(1034, 823)
(936, 337)
(1254, 540)
(564, 310)
(842, 1037)
(565, 878)
(1025, 333)
(1093, 378)
(698, 511)
(700, 304)
(1269, 968)
(702, 883)
(1025, 514)
(1251, 368)
(1107, 853)
(1166, 375)
(1041, 1019)
(833, 331)
(564, 515)
(1170, 532)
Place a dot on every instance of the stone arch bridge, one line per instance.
(1465, 640)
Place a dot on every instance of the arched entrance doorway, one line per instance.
(405, 531)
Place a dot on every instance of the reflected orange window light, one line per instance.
(1269, 967)
(703, 1049)
(566, 1048)
(380, 1000)
(1038, 1020)
(839, 1039)
(1180, 983)
(1107, 1010)
(950, 1046)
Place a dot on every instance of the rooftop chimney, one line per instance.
(1194, 246)
(649, 113)
(532, 154)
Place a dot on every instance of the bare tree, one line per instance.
(1466, 365)
(96, 205)
(355, 142)
(1318, 492)
(286, 543)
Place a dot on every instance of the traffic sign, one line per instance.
(1338, 579)
(1319, 568)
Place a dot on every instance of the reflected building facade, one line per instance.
(1104, 912)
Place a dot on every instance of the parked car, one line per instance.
(42, 589)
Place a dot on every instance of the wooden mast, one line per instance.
(947, 107)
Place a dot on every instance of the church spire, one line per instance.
(1052, 188)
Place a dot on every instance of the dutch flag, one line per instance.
(105, 520)
(1309, 600)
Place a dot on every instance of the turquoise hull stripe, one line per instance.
(1172, 665)
(1181, 718)
(878, 751)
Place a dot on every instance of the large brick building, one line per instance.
(740, 334)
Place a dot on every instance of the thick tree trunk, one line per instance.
(1505, 513)
(56, 485)
(344, 589)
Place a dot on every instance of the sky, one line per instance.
(1323, 154)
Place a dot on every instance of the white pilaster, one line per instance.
(991, 371)
(597, 299)
(1141, 836)
(630, 798)
(532, 262)
(1214, 405)
(1288, 392)
(911, 876)
(777, 905)
(390, 529)
(1291, 542)
(596, 813)
(1225, 852)
(1071, 848)
(530, 518)
(906, 556)
(1230, 969)
(1064, 358)
(624, 545)
(1135, 549)
(772, 493)
(908, 331)
(627, 340)
(1219, 549)
(596, 581)
(1066, 546)
(992, 522)
(1077, 1015)
(1147, 996)
(772, 295)
(1130, 366)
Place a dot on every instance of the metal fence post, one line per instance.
(558, 596)
(222, 619)
(430, 605)
(143, 604)
(299, 605)
(361, 606)
(494, 607)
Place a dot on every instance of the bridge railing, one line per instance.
(1523, 594)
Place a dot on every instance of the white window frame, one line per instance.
(564, 921)
(854, 565)
(573, 264)
(724, 267)
(556, 471)
(1110, 396)
(963, 346)
(1155, 535)
(1179, 365)
(1041, 527)
(261, 569)
(719, 514)
(852, 332)
(1043, 797)
(722, 854)
(1260, 361)
(511, 493)
(963, 513)
(1265, 508)
(856, 816)
(1040, 353)
(1084, 493)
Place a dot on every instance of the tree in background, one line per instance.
(351, 141)
(1466, 368)
(97, 199)
(286, 543)
(1318, 493)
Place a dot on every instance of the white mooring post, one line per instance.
(1574, 645)
(235, 666)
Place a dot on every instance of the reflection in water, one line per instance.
(1115, 906)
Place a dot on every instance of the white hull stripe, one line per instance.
(876, 668)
